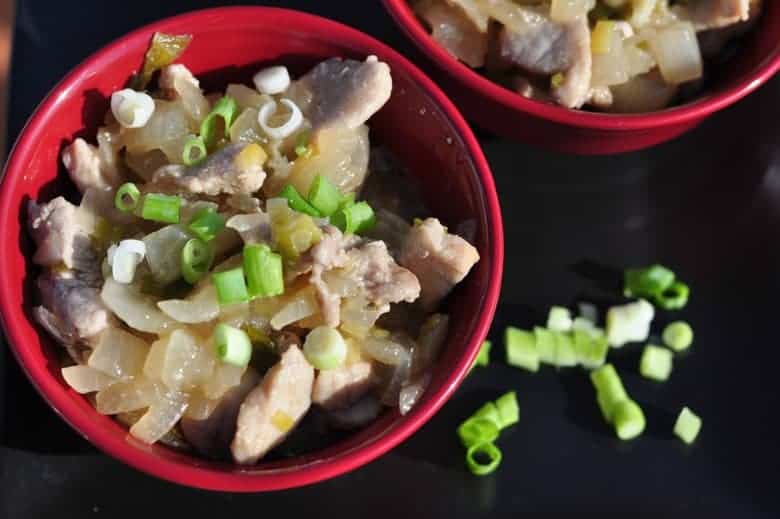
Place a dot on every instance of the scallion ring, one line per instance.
(127, 197)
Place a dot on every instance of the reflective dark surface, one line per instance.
(707, 204)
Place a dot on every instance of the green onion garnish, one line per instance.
(678, 335)
(674, 297)
(161, 208)
(474, 460)
(263, 270)
(591, 349)
(559, 319)
(647, 282)
(232, 345)
(545, 345)
(224, 110)
(508, 410)
(521, 349)
(489, 411)
(477, 430)
(196, 259)
(302, 148)
(347, 200)
(206, 224)
(297, 202)
(325, 348)
(356, 218)
(609, 389)
(687, 426)
(483, 357)
(565, 355)
(324, 196)
(194, 151)
(628, 419)
(231, 286)
(656, 363)
(127, 197)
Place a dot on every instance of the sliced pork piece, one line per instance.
(345, 93)
(454, 31)
(273, 408)
(232, 170)
(59, 237)
(439, 259)
(341, 387)
(87, 169)
(713, 14)
(381, 279)
(543, 47)
(212, 435)
(329, 253)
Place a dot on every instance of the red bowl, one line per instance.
(419, 123)
(507, 113)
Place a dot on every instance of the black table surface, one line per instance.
(706, 204)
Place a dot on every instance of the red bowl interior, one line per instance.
(419, 124)
(757, 62)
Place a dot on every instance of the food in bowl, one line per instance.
(618, 56)
(238, 257)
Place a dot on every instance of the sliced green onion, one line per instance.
(559, 319)
(628, 419)
(583, 324)
(609, 389)
(225, 110)
(127, 197)
(354, 219)
(521, 349)
(687, 426)
(194, 151)
(508, 410)
(492, 458)
(263, 270)
(545, 345)
(678, 335)
(483, 357)
(325, 348)
(589, 311)
(656, 363)
(231, 286)
(324, 196)
(565, 354)
(347, 200)
(206, 224)
(297, 202)
(489, 411)
(629, 323)
(161, 208)
(302, 148)
(477, 430)
(196, 259)
(591, 350)
(648, 281)
(232, 345)
(674, 297)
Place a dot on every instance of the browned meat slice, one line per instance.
(343, 386)
(381, 279)
(439, 259)
(212, 435)
(714, 14)
(59, 237)
(345, 93)
(228, 171)
(454, 31)
(87, 169)
(544, 47)
(274, 408)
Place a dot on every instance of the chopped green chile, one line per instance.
(163, 50)
(225, 111)
(324, 196)
(231, 286)
(297, 202)
(196, 260)
(475, 455)
(161, 208)
(206, 224)
(477, 430)
(127, 197)
(194, 151)
(521, 349)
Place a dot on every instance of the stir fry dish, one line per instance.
(609, 55)
(240, 258)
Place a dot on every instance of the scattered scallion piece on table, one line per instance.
(628, 419)
(656, 363)
(678, 335)
(483, 459)
(325, 348)
(356, 218)
(483, 357)
(648, 281)
(565, 354)
(206, 224)
(232, 345)
(324, 196)
(477, 430)
(629, 323)
(231, 286)
(489, 411)
(224, 111)
(588, 311)
(545, 345)
(687, 426)
(127, 197)
(263, 270)
(559, 319)
(194, 151)
(674, 297)
(196, 259)
(618, 409)
(161, 208)
(297, 202)
(591, 349)
(521, 349)
(508, 410)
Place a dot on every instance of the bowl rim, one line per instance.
(403, 15)
(238, 481)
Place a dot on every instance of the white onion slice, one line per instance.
(131, 109)
(280, 132)
(272, 80)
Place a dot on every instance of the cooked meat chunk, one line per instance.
(343, 386)
(176, 81)
(212, 435)
(329, 253)
(272, 409)
(59, 237)
(228, 171)
(87, 169)
(546, 48)
(455, 31)
(382, 280)
(438, 259)
(713, 14)
(345, 93)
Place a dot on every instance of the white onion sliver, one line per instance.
(411, 393)
(280, 132)
(123, 265)
(130, 108)
(272, 80)
(135, 246)
(84, 379)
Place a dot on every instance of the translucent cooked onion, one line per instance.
(163, 252)
(225, 377)
(162, 415)
(84, 379)
(645, 93)
(610, 67)
(137, 310)
(676, 49)
(430, 342)
(199, 307)
(410, 393)
(119, 354)
(200, 407)
(126, 396)
(358, 317)
(454, 31)
(568, 10)
(144, 164)
(246, 97)
(188, 361)
(167, 130)
(395, 381)
(301, 305)
(385, 350)
(246, 128)
(253, 228)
